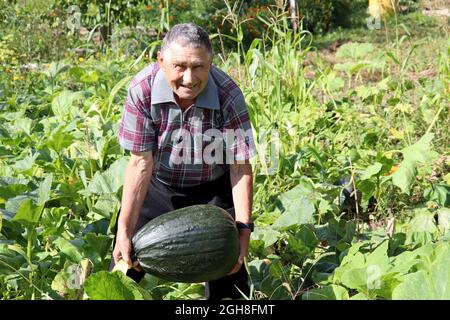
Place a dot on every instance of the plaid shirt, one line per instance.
(187, 147)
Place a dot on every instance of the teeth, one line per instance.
(189, 87)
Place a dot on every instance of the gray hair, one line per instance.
(187, 34)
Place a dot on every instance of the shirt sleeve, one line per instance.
(136, 128)
(239, 141)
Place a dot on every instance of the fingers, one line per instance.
(126, 258)
(136, 266)
(116, 255)
(122, 251)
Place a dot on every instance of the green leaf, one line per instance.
(273, 288)
(26, 163)
(68, 282)
(276, 269)
(55, 68)
(60, 139)
(350, 261)
(439, 194)
(96, 247)
(423, 221)
(297, 212)
(24, 124)
(387, 283)
(379, 258)
(28, 213)
(268, 235)
(11, 187)
(371, 277)
(90, 77)
(355, 278)
(420, 152)
(433, 284)
(10, 260)
(350, 67)
(371, 171)
(109, 181)
(359, 296)
(68, 249)
(354, 50)
(443, 220)
(106, 205)
(331, 292)
(63, 103)
(405, 175)
(44, 190)
(307, 237)
(296, 205)
(114, 286)
(333, 82)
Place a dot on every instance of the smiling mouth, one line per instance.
(189, 87)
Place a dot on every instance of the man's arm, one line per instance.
(137, 177)
(242, 187)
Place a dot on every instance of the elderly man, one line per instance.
(171, 117)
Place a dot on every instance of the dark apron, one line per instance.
(161, 198)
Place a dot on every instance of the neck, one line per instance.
(184, 104)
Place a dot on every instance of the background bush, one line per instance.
(38, 30)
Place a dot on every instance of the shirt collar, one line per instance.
(162, 92)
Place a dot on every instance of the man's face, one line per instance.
(186, 69)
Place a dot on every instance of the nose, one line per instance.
(187, 77)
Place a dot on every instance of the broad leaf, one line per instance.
(104, 285)
(423, 221)
(24, 124)
(359, 296)
(96, 248)
(354, 50)
(331, 292)
(44, 190)
(28, 213)
(297, 212)
(432, 284)
(109, 181)
(444, 220)
(371, 171)
(63, 103)
(68, 249)
(420, 152)
(268, 235)
(11, 187)
(69, 281)
(439, 194)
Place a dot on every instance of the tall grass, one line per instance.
(320, 130)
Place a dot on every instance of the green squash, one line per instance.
(193, 244)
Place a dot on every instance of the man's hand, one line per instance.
(242, 185)
(137, 178)
(244, 239)
(122, 250)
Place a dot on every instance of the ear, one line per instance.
(160, 57)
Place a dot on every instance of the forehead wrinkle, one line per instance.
(180, 57)
(171, 50)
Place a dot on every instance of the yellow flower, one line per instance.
(393, 169)
(80, 59)
(15, 78)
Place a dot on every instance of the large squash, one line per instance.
(193, 244)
